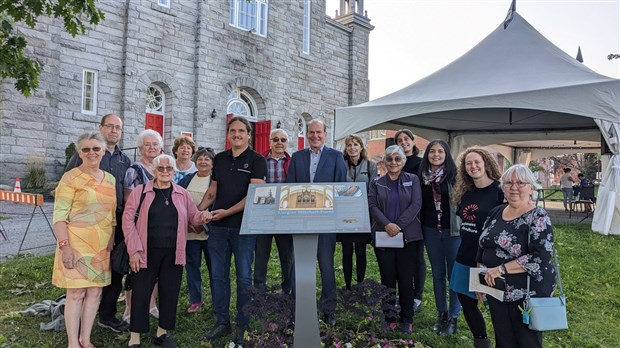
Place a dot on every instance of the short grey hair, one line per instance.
(521, 172)
(149, 133)
(276, 131)
(90, 135)
(395, 149)
(316, 120)
(157, 161)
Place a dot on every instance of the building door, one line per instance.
(155, 108)
(301, 133)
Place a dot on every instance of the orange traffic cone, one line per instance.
(18, 186)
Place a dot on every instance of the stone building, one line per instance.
(183, 67)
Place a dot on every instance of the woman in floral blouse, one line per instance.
(517, 243)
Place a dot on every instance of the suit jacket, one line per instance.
(331, 167)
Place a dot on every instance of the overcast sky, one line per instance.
(414, 38)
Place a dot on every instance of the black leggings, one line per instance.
(347, 261)
(473, 316)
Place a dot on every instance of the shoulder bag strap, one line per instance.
(555, 262)
(135, 219)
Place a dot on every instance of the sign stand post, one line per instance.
(306, 321)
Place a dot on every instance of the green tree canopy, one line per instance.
(13, 62)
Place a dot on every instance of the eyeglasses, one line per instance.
(112, 126)
(276, 139)
(519, 184)
(88, 149)
(396, 159)
(165, 169)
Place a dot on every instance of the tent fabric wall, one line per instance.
(607, 214)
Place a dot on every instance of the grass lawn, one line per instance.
(590, 266)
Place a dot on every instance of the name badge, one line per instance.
(408, 183)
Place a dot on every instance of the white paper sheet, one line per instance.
(475, 286)
(383, 240)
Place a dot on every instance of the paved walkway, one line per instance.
(39, 239)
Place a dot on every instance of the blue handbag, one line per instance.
(547, 313)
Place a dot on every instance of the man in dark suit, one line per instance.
(316, 164)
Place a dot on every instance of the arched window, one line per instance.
(155, 109)
(241, 103)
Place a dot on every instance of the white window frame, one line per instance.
(164, 3)
(93, 92)
(239, 98)
(160, 105)
(306, 31)
(250, 15)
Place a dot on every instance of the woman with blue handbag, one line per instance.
(517, 245)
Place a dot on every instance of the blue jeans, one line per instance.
(441, 249)
(194, 251)
(567, 195)
(223, 243)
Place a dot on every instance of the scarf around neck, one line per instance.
(434, 179)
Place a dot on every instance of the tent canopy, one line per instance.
(513, 90)
(514, 86)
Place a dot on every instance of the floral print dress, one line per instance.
(527, 239)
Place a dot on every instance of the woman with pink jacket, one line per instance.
(156, 247)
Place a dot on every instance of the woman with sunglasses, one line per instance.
(476, 192)
(441, 229)
(395, 201)
(150, 145)
(360, 169)
(84, 222)
(405, 139)
(517, 244)
(156, 247)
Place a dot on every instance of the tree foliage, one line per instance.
(613, 56)
(13, 62)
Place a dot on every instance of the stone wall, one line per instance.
(193, 54)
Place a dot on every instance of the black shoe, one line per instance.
(417, 305)
(329, 319)
(482, 343)
(450, 327)
(239, 335)
(165, 341)
(219, 330)
(442, 321)
(134, 346)
(113, 325)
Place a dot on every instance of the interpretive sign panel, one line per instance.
(306, 208)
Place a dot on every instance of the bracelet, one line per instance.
(502, 269)
(63, 243)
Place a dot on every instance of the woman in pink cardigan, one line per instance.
(156, 247)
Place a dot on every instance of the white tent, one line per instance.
(514, 89)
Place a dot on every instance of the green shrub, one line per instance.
(69, 151)
(35, 178)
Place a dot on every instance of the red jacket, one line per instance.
(136, 234)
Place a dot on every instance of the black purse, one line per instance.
(119, 258)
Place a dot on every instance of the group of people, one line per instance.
(173, 211)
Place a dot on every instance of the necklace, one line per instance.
(167, 202)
